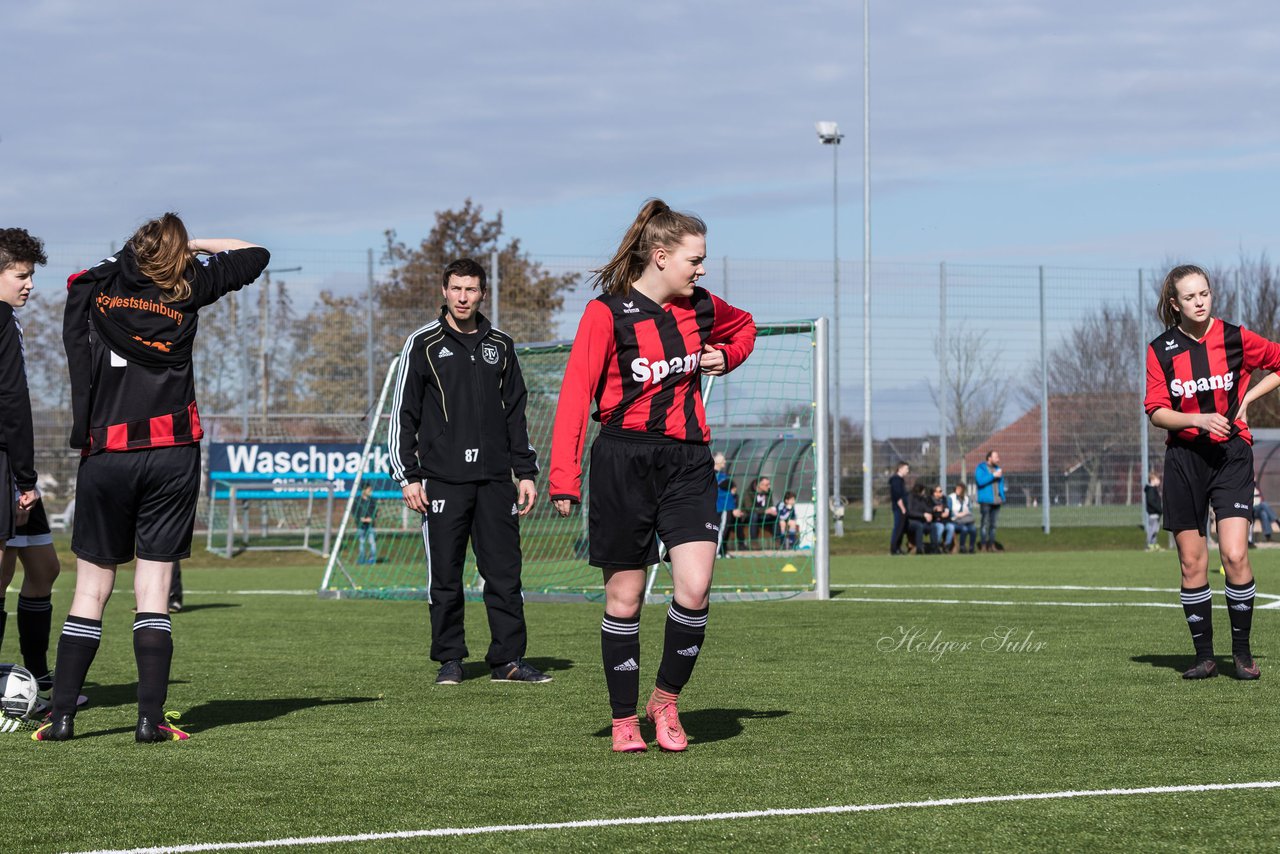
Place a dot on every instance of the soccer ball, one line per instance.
(19, 691)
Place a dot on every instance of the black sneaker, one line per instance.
(59, 728)
(163, 729)
(519, 671)
(1206, 669)
(1246, 667)
(999, 546)
(450, 672)
(175, 606)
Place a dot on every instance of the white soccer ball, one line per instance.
(19, 691)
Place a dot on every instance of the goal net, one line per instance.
(764, 417)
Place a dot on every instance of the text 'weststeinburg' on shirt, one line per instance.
(641, 364)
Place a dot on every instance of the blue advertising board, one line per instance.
(292, 470)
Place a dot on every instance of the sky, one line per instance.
(1002, 131)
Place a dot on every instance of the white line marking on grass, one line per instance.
(685, 819)
(307, 592)
(1032, 587)
(1000, 602)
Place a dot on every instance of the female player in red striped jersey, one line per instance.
(640, 351)
(1198, 389)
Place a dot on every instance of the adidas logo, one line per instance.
(1240, 606)
(688, 653)
(629, 664)
(1195, 618)
(515, 509)
(444, 351)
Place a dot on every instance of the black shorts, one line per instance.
(8, 499)
(143, 500)
(641, 489)
(35, 531)
(1203, 474)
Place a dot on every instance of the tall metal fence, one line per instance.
(964, 359)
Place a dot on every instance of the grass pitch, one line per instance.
(923, 679)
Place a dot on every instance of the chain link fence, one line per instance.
(964, 359)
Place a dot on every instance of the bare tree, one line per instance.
(530, 295)
(973, 371)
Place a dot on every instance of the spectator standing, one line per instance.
(764, 513)
(365, 512)
(898, 501)
(726, 506)
(989, 478)
(1155, 509)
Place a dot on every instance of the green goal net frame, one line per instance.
(765, 417)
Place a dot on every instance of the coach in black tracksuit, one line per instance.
(457, 435)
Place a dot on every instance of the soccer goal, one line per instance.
(765, 417)
(264, 513)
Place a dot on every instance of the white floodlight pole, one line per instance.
(829, 134)
(866, 260)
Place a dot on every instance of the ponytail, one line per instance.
(656, 225)
(164, 256)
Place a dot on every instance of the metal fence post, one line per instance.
(942, 375)
(1045, 497)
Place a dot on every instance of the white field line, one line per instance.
(310, 591)
(1019, 602)
(684, 819)
(1275, 603)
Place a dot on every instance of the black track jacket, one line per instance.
(16, 435)
(458, 413)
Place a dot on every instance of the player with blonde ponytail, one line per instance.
(640, 352)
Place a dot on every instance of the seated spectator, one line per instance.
(788, 531)
(1263, 513)
(944, 530)
(919, 516)
(962, 517)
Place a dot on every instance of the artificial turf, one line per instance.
(319, 718)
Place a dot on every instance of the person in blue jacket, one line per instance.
(989, 478)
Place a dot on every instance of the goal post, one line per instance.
(767, 418)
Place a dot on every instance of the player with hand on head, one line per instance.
(1198, 373)
(129, 328)
(640, 352)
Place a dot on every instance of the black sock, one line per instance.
(620, 650)
(153, 649)
(685, 633)
(35, 614)
(76, 648)
(1240, 610)
(4, 616)
(1197, 605)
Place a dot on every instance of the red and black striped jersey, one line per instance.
(1208, 375)
(640, 362)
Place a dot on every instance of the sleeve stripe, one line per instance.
(393, 430)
